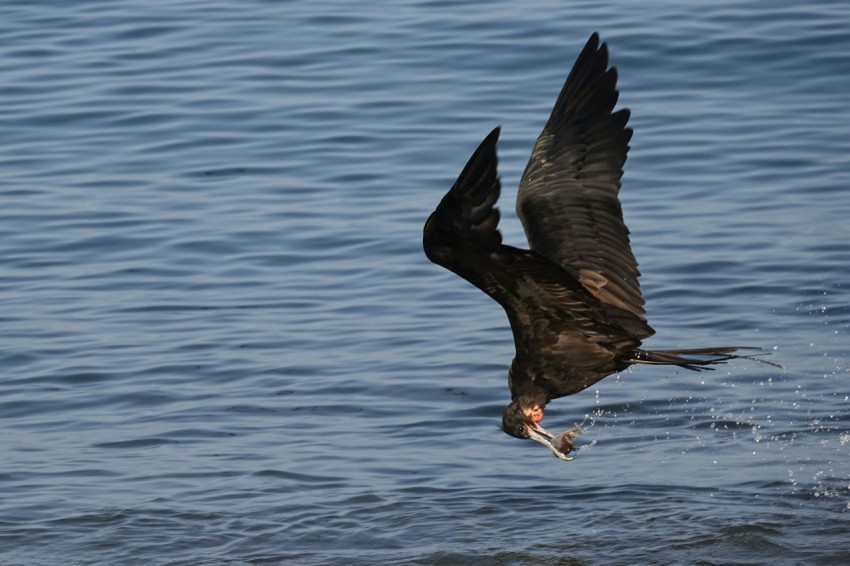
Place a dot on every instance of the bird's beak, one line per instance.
(544, 437)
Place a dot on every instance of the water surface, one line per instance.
(222, 343)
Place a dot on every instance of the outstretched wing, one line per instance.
(568, 197)
(465, 224)
(553, 317)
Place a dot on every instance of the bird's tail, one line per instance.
(697, 359)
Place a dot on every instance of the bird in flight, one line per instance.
(573, 300)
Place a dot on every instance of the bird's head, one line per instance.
(522, 420)
(517, 421)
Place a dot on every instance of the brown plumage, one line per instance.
(573, 300)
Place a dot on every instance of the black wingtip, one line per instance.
(594, 44)
(465, 223)
(493, 136)
(480, 171)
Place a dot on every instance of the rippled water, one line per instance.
(222, 343)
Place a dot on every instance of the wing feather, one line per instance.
(568, 198)
(553, 317)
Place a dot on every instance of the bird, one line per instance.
(573, 300)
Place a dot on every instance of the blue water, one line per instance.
(222, 344)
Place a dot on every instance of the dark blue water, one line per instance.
(222, 344)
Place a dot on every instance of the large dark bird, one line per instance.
(573, 300)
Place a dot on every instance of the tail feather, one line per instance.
(696, 359)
